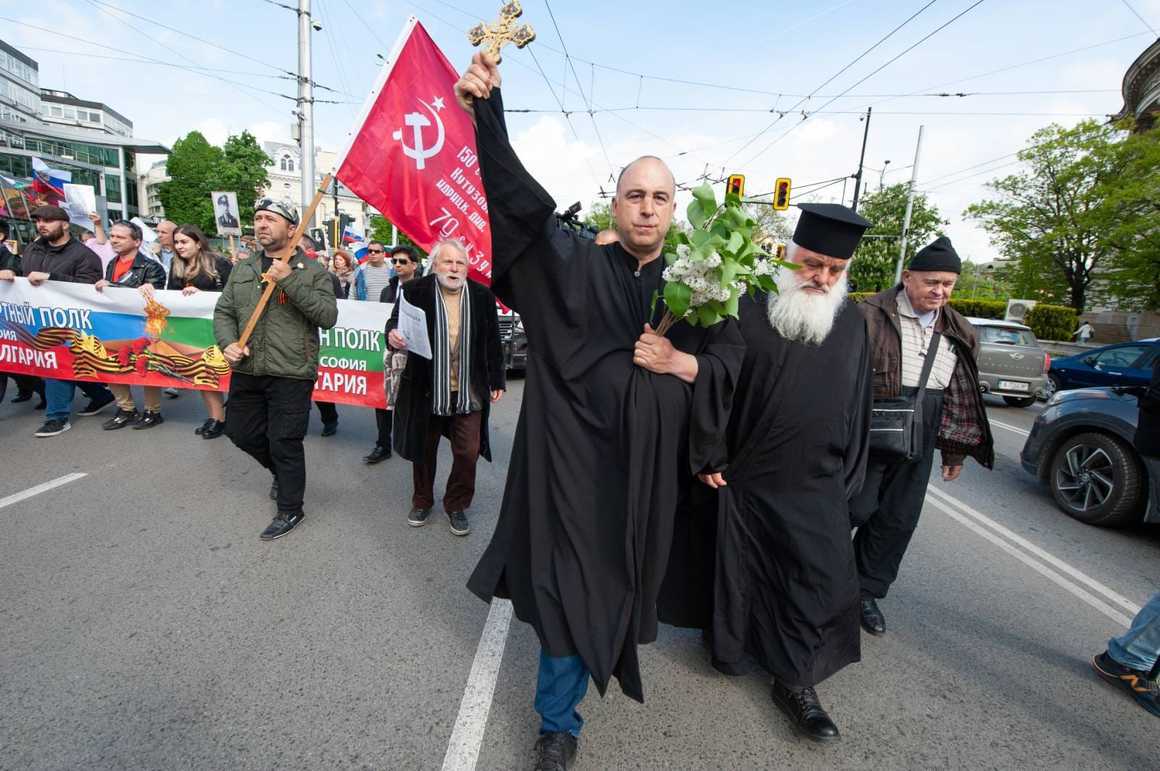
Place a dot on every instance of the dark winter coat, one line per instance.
(71, 261)
(413, 406)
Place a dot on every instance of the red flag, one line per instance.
(412, 155)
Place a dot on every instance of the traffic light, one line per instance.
(735, 185)
(781, 193)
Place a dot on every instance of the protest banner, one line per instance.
(71, 331)
(412, 154)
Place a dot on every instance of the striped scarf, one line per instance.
(441, 359)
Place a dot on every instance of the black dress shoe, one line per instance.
(282, 524)
(200, 429)
(555, 751)
(330, 429)
(274, 489)
(378, 455)
(21, 397)
(121, 419)
(213, 429)
(802, 707)
(872, 619)
(148, 420)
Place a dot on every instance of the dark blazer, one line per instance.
(413, 405)
(145, 270)
(8, 260)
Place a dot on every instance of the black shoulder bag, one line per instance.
(896, 424)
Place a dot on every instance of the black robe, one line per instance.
(766, 564)
(603, 449)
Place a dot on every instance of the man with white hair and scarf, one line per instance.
(766, 566)
(448, 394)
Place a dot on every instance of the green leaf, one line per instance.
(697, 215)
(736, 241)
(729, 271)
(699, 238)
(731, 305)
(704, 194)
(707, 315)
(677, 297)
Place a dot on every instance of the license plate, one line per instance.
(1009, 385)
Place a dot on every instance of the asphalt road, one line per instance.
(144, 625)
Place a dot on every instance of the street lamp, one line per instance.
(882, 176)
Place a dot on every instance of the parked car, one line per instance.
(1011, 362)
(514, 340)
(1123, 364)
(1081, 446)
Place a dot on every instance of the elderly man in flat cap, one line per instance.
(916, 339)
(273, 375)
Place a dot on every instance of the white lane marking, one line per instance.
(1118, 599)
(40, 488)
(470, 724)
(1009, 427)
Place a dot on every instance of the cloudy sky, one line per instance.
(711, 87)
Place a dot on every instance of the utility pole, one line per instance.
(337, 224)
(861, 159)
(909, 208)
(305, 106)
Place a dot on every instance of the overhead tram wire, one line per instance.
(580, 88)
(1018, 65)
(84, 41)
(339, 70)
(874, 72)
(567, 119)
(829, 80)
(105, 9)
(970, 176)
(964, 113)
(1138, 16)
(138, 59)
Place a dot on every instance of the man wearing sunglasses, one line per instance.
(373, 275)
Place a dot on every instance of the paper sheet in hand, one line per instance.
(413, 328)
(79, 202)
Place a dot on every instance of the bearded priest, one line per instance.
(765, 564)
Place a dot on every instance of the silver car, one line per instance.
(1011, 362)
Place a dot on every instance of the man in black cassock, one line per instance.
(763, 563)
(612, 425)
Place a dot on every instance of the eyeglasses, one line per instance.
(377, 251)
(403, 261)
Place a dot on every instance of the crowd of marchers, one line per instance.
(759, 480)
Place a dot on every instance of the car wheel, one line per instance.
(1096, 479)
(1051, 387)
(1019, 401)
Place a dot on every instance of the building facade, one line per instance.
(285, 171)
(1141, 89)
(149, 191)
(90, 140)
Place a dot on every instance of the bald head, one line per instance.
(643, 206)
(654, 163)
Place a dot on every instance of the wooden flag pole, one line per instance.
(233, 249)
(291, 247)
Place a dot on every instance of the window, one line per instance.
(287, 164)
(113, 188)
(1123, 356)
(1006, 335)
(55, 111)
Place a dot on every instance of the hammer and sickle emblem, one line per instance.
(417, 121)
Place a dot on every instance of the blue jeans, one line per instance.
(59, 395)
(560, 687)
(1139, 647)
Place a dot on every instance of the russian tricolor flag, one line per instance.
(49, 183)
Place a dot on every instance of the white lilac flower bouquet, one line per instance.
(712, 265)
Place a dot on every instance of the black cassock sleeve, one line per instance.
(718, 368)
(858, 442)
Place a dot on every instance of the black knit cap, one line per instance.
(938, 256)
(829, 229)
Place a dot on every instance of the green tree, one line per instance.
(771, 224)
(982, 282)
(872, 269)
(196, 169)
(1129, 220)
(1052, 220)
(599, 216)
(193, 167)
(244, 171)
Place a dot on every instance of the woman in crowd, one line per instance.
(196, 268)
(343, 266)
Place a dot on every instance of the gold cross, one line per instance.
(503, 31)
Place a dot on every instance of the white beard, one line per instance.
(802, 316)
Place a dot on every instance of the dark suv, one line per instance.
(1082, 446)
(1122, 364)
